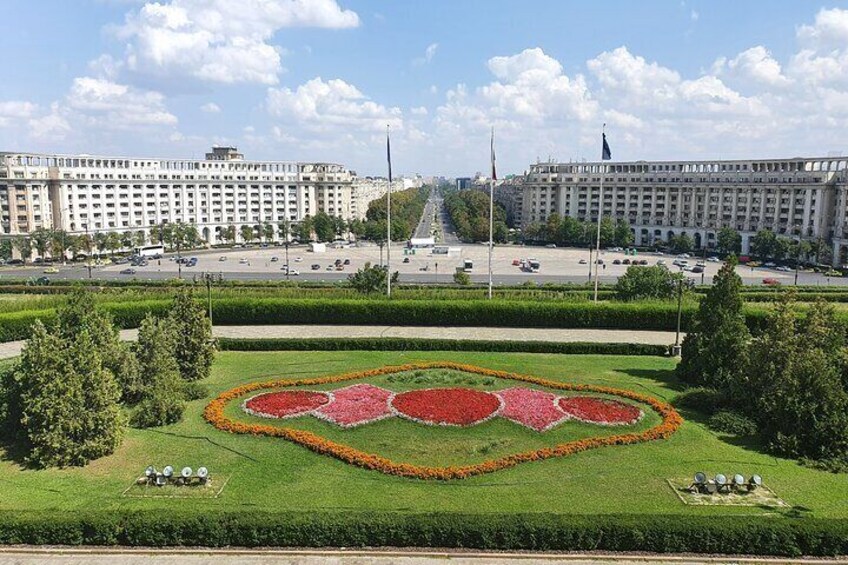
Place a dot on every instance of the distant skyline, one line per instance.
(320, 79)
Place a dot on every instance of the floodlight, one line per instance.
(168, 472)
(150, 471)
(738, 480)
(720, 480)
(700, 478)
(203, 472)
(186, 472)
(160, 480)
(756, 481)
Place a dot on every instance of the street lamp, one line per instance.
(88, 250)
(681, 282)
(208, 279)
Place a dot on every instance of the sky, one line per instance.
(321, 79)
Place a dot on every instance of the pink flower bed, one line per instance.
(356, 405)
(447, 406)
(534, 409)
(600, 410)
(285, 404)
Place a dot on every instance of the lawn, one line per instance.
(271, 474)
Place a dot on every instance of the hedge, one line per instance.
(419, 344)
(529, 531)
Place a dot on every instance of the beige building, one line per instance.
(80, 193)
(365, 190)
(800, 198)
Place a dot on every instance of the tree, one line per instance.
(728, 241)
(532, 231)
(570, 231)
(101, 241)
(797, 394)
(162, 400)
(715, 351)
(461, 278)
(113, 242)
(682, 243)
(247, 233)
(6, 249)
(655, 282)
(156, 235)
(140, 238)
(369, 279)
(194, 350)
(303, 230)
(268, 232)
(623, 236)
(127, 239)
(69, 400)
(552, 227)
(41, 239)
(324, 228)
(763, 244)
(24, 247)
(228, 234)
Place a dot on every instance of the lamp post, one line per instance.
(681, 282)
(208, 279)
(88, 249)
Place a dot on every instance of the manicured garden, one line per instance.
(270, 474)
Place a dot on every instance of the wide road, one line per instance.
(562, 265)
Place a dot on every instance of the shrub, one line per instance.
(194, 390)
(194, 348)
(162, 400)
(703, 399)
(461, 278)
(734, 423)
(639, 283)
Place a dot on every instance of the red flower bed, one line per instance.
(285, 404)
(447, 406)
(534, 409)
(355, 405)
(600, 410)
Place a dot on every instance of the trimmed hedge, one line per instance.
(532, 531)
(419, 344)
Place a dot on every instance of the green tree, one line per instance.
(162, 400)
(728, 241)
(532, 231)
(140, 238)
(623, 236)
(369, 279)
(357, 227)
(715, 351)
(113, 242)
(24, 247)
(639, 283)
(101, 241)
(6, 249)
(324, 227)
(69, 400)
(763, 244)
(461, 278)
(247, 233)
(268, 232)
(41, 239)
(303, 230)
(127, 240)
(682, 243)
(552, 227)
(194, 349)
(156, 235)
(228, 234)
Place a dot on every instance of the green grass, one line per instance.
(269, 474)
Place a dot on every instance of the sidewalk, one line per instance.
(13, 348)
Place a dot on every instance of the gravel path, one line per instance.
(13, 348)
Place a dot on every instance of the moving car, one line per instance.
(316, 267)
(274, 259)
(222, 258)
(770, 281)
(242, 261)
(406, 259)
(582, 261)
(298, 259)
(129, 271)
(50, 271)
(713, 259)
(347, 261)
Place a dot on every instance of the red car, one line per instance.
(771, 282)
(516, 262)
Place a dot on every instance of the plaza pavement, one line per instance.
(13, 348)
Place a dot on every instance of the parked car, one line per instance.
(347, 261)
(784, 269)
(625, 262)
(516, 262)
(641, 261)
(331, 268)
(51, 271)
(242, 261)
(316, 267)
(293, 272)
(769, 265)
(713, 259)
(128, 271)
(274, 259)
(661, 262)
(222, 258)
(582, 261)
(697, 269)
(770, 281)
(191, 262)
(551, 246)
(406, 259)
(616, 261)
(298, 259)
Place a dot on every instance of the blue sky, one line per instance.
(320, 79)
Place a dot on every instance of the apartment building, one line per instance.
(365, 190)
(86, 193)
(798, 198)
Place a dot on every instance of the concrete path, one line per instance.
(55, 556)
(13, 348)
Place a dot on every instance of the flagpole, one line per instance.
(389, 218)
(600, 214)
(491, 212)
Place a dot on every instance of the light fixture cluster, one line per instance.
(186, 477)
(722, 484)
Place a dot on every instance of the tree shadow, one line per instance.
(203, 438)
(665, 377)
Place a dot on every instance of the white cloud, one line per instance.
(320, 105)
(221, 40)
(429, 53)
(755, 64)
(53, 126)
(17, 109)
(210, 108)
(117, 105)
(830, 30)
(693, 15)
(418, 111)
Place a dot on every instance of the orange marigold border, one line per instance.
(214, 414)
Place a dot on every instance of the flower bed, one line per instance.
(285, 404)
(531, 408)
(600, 410)
(214, 414)
(356, 405)
(446, 406)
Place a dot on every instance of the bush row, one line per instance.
(540, 532)
(417, 344)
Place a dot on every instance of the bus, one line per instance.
(468, 264)
(153, 251)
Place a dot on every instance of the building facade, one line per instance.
(366, 190)
(85, 193)
(796, 198)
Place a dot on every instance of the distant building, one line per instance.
(365, 190)
(464, 183)
(803, 198)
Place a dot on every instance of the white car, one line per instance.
(713, 259)
(242, 261)
(291, 272)
(298, 259)
(769, 265)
